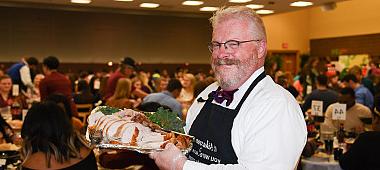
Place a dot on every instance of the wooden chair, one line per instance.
(83, 111)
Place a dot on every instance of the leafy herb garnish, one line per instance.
(167, 120)
(107, 110)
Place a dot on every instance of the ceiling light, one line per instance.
(301, 4)
(209, 8)
(192, 3)
(239, 1)
(264, 11)
(81, 1)
(255, 6)
(149, 5)
(124, 0)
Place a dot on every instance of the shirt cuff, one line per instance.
(187, 165)
(191, 165)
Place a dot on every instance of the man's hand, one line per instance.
(169, 159)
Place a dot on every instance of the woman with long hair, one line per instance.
(144, 78)
(50, 141)
(121, 97)
(187, 93)
(138, 87)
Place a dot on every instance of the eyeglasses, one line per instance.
(230, 44)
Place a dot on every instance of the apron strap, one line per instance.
(250, 88)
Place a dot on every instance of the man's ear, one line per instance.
(262, 49)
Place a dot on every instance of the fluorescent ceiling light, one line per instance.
(264, 11)
(81, 1)
(124, 0)
(301, 4)
(192, 3)
(209, 8)
(149, 5)
(255, 6)
(239, 1)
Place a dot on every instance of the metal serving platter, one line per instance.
(96, 139)
(127, 147)
(100, 142)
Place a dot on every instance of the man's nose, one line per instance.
(224, 49)
(223, 54)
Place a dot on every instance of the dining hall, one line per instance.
(190, 84)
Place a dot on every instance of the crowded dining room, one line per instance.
(190, 84)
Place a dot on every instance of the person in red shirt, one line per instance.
(8, 100)
(125, 70)
(55, 82)
(5, 91)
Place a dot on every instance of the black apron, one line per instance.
(212, 131)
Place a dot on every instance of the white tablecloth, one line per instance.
(315, 163)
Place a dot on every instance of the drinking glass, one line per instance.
(6, 113)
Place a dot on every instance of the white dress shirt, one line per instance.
(25, 76)
(269, 131)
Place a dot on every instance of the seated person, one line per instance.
(364, 153)
(5, 90)
(322, 93)
(362, 94)
(121, 97)
(35, 96)
(84, 95)
(7, 99)
(168, 97)
(354, 111)
(50, 141)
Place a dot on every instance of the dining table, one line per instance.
(320, 163)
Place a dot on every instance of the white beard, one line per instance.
(238, 69)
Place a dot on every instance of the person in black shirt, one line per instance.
(364, 153)
(322, 93)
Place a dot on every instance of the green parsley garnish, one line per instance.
(167, 120)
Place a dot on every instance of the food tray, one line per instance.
(127, 147)
(159, 122)
(99, 142)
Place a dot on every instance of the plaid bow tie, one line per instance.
(220, 95)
